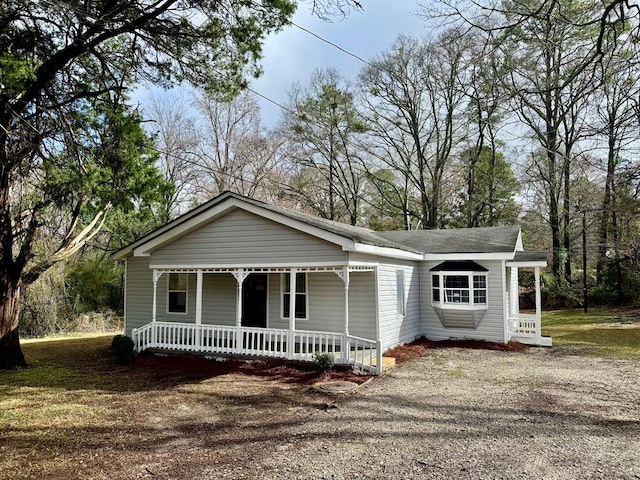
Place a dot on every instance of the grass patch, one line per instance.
(455, 373)
(603, 332)
(75, 412)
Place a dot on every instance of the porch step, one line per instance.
(387, 363)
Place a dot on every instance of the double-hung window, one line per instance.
(301, 296)
(178, 286)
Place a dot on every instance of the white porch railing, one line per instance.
(523, 325)
(265, 342)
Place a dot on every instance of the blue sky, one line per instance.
(292, 55)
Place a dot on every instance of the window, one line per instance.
(456, 289)
(459, 289)
(436, 287)
(300, 293)
(480, 289)
(177, 293)
(402, 307)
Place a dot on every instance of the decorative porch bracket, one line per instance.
(240, 275)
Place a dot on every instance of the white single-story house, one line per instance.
(239, 276)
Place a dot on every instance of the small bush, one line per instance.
(323, 361)
(123, 348)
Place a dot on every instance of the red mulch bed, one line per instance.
(170, 369)
(420, 346)
(196, 368)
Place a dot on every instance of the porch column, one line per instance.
(538, 304)
(514, 300)
(154, 328)
(345, 278)
(240, 279)
(199, 281)
(155, 295)
(239, 275)
(292, 311)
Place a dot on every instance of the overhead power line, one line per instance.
(343, 50)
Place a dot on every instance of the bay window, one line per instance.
(457, 284)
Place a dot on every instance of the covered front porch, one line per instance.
(271, 315)
(525, 327)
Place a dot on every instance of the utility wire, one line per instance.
(343, 50)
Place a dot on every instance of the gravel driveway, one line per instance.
(454, 413)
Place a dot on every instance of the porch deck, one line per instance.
(255, 341)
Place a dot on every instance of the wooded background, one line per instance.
(511, 113)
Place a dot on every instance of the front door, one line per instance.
(254, 300)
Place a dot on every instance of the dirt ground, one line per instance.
(450, 413)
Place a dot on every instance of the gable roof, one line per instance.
(357, 235)
(413, 244)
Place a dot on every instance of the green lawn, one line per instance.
(600, 332)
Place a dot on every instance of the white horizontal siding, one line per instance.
(396, 329)
(219, 294)
(242, 238)
(362, 305)
(326, 304)
(490, 328)
(161, 310)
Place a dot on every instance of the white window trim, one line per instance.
(402, 306)
(460, 306)
(186, 307)
(306, 295)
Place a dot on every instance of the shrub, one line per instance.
(323, 361)
(123, 348)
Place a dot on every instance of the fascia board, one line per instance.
(435, 257)
(519, 246)
(387, 252)
(541, 263)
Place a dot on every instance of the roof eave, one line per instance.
(387, 252)
(468, 256)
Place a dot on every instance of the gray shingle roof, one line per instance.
(358, 234)
(458, 240)
(530, 257)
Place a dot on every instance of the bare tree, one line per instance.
(322, 125)
(617, 112)
(414, 94)
(177, 141)
(233, 151)
(550, 79)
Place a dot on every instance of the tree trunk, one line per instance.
(606, 206)
(566, 237)
(11, 355)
